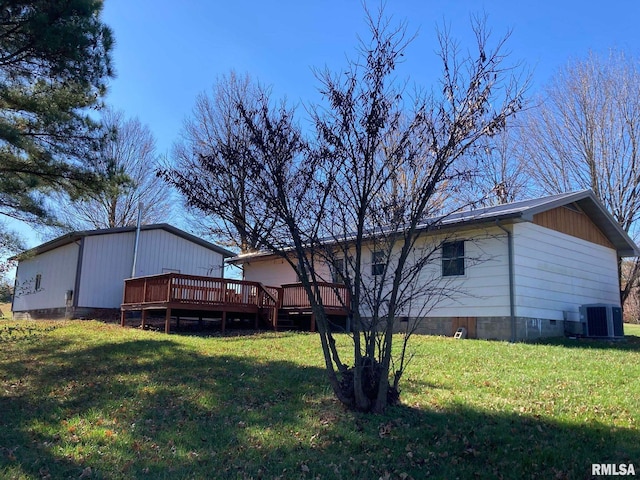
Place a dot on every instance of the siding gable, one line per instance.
(556, 273)
(572, 222)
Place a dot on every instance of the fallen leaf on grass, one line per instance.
(385, 430)
(9, 453)
(86, 473)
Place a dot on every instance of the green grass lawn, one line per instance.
(632, 329)
(93, 400)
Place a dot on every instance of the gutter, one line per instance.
(512, 306)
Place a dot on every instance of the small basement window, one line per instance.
(453, 258)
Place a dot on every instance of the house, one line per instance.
(513, 272)
(81, 274)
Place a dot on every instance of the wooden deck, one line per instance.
(174, 292)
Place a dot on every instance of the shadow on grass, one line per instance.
(628, 343)
(157, 409)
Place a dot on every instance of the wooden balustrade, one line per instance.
(190, 292)
(192, 289)
(333, 295)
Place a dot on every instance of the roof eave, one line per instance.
(71, 237)
(586, 199)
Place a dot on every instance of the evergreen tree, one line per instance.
(54, 61)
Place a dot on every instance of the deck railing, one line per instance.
(196, 290)
(177, 288)
(333, 295)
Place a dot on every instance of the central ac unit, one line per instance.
(600, 320)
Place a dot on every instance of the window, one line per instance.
(337, 270)
(38, 282)
(453, 258)
(377, 263)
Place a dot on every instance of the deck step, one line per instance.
(285, 322)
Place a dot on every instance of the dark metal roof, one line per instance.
(523, 211)
(75, 236)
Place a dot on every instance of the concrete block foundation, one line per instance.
(487, 328)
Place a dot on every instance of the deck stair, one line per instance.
(285, 321)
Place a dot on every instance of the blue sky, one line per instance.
(167, 52)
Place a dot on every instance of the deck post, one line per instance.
(122, 317)
(224, 321)
(313, 322)
(167, 321)
(143, 317)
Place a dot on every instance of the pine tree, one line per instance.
(54, 62)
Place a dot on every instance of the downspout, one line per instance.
(135, 245)
(512, 296)
(77, 283)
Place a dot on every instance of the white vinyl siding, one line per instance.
(269, 271)
(557, 273)
(275, 272)
(106, 262)
(108, 259)
(159, 249)
(483, 290)
(57, 270)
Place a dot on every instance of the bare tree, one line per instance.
(362, 189)
(10, 244)
(632, 302)
(585, 134)
(498, 176)
(201, 168)
(394, 158)
(129, 163)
